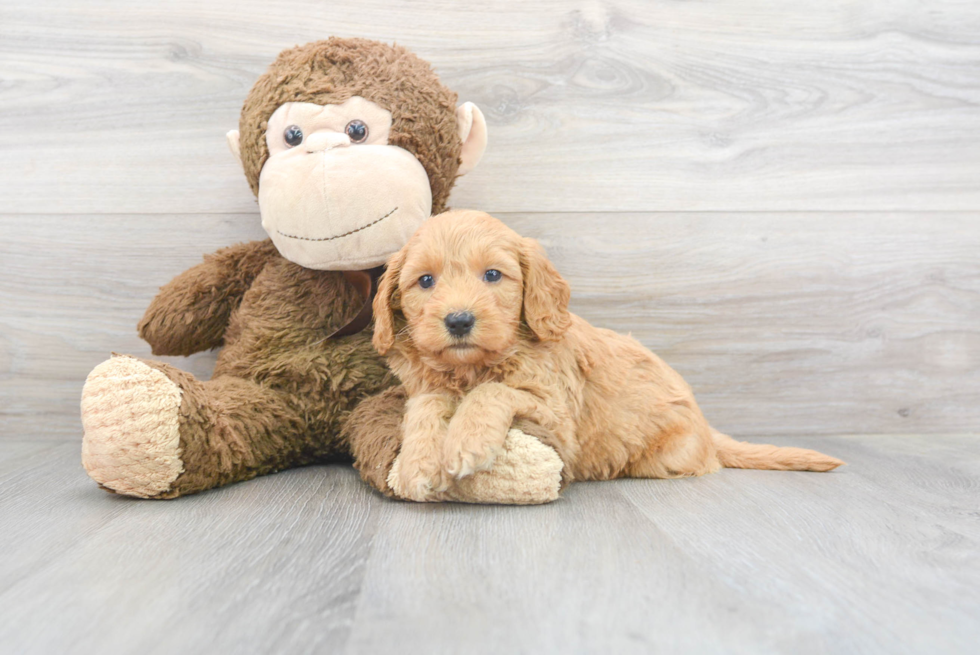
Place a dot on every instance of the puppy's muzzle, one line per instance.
(459, 324)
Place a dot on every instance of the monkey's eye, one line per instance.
(426, 281)
(492, 275)
(293, 136)
(357, 131)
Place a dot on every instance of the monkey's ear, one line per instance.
(473, 133)
(385, 303)
(546, 294)
(233, 145)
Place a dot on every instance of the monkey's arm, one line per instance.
(480, 425)
(528, 472)
(191, 312)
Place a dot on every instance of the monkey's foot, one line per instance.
(130, 416)
(527, 472)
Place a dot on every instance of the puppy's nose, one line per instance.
(459, 324)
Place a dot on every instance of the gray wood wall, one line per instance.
(780, 198)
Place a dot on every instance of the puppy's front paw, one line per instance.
(417, 488)
(416, 478)
(465, 454)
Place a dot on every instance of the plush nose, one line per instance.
(459, 324)
(325, 140)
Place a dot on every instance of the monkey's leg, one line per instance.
(374, 434)
(154, 431)
(529, 472)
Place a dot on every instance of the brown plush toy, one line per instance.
(349, 146)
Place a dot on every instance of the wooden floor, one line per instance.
(880, 556)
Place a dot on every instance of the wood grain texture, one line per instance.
(782, 201)
(267, 568)
(109, 106)
(791, 323)
(882, 556)
(782, 323)
(72, 290)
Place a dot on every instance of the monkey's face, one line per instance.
(333, 194)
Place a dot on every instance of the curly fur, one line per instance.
(615, 409)
(331, 72)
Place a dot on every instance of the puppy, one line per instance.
(475, 322)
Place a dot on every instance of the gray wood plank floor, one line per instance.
(880, 556)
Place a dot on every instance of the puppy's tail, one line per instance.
(741, 455)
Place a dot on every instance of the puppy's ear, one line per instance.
(385, 303)
(546, 294)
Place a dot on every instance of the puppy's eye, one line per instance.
(426, 281)
(357, 131)
(293, 136)
(492, 275)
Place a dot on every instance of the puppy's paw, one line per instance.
(417, 479)
(418, 489)
(469, 454)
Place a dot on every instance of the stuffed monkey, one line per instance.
(349, 145)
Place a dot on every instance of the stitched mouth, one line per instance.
(340, 236)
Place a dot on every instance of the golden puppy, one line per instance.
(475, 321)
